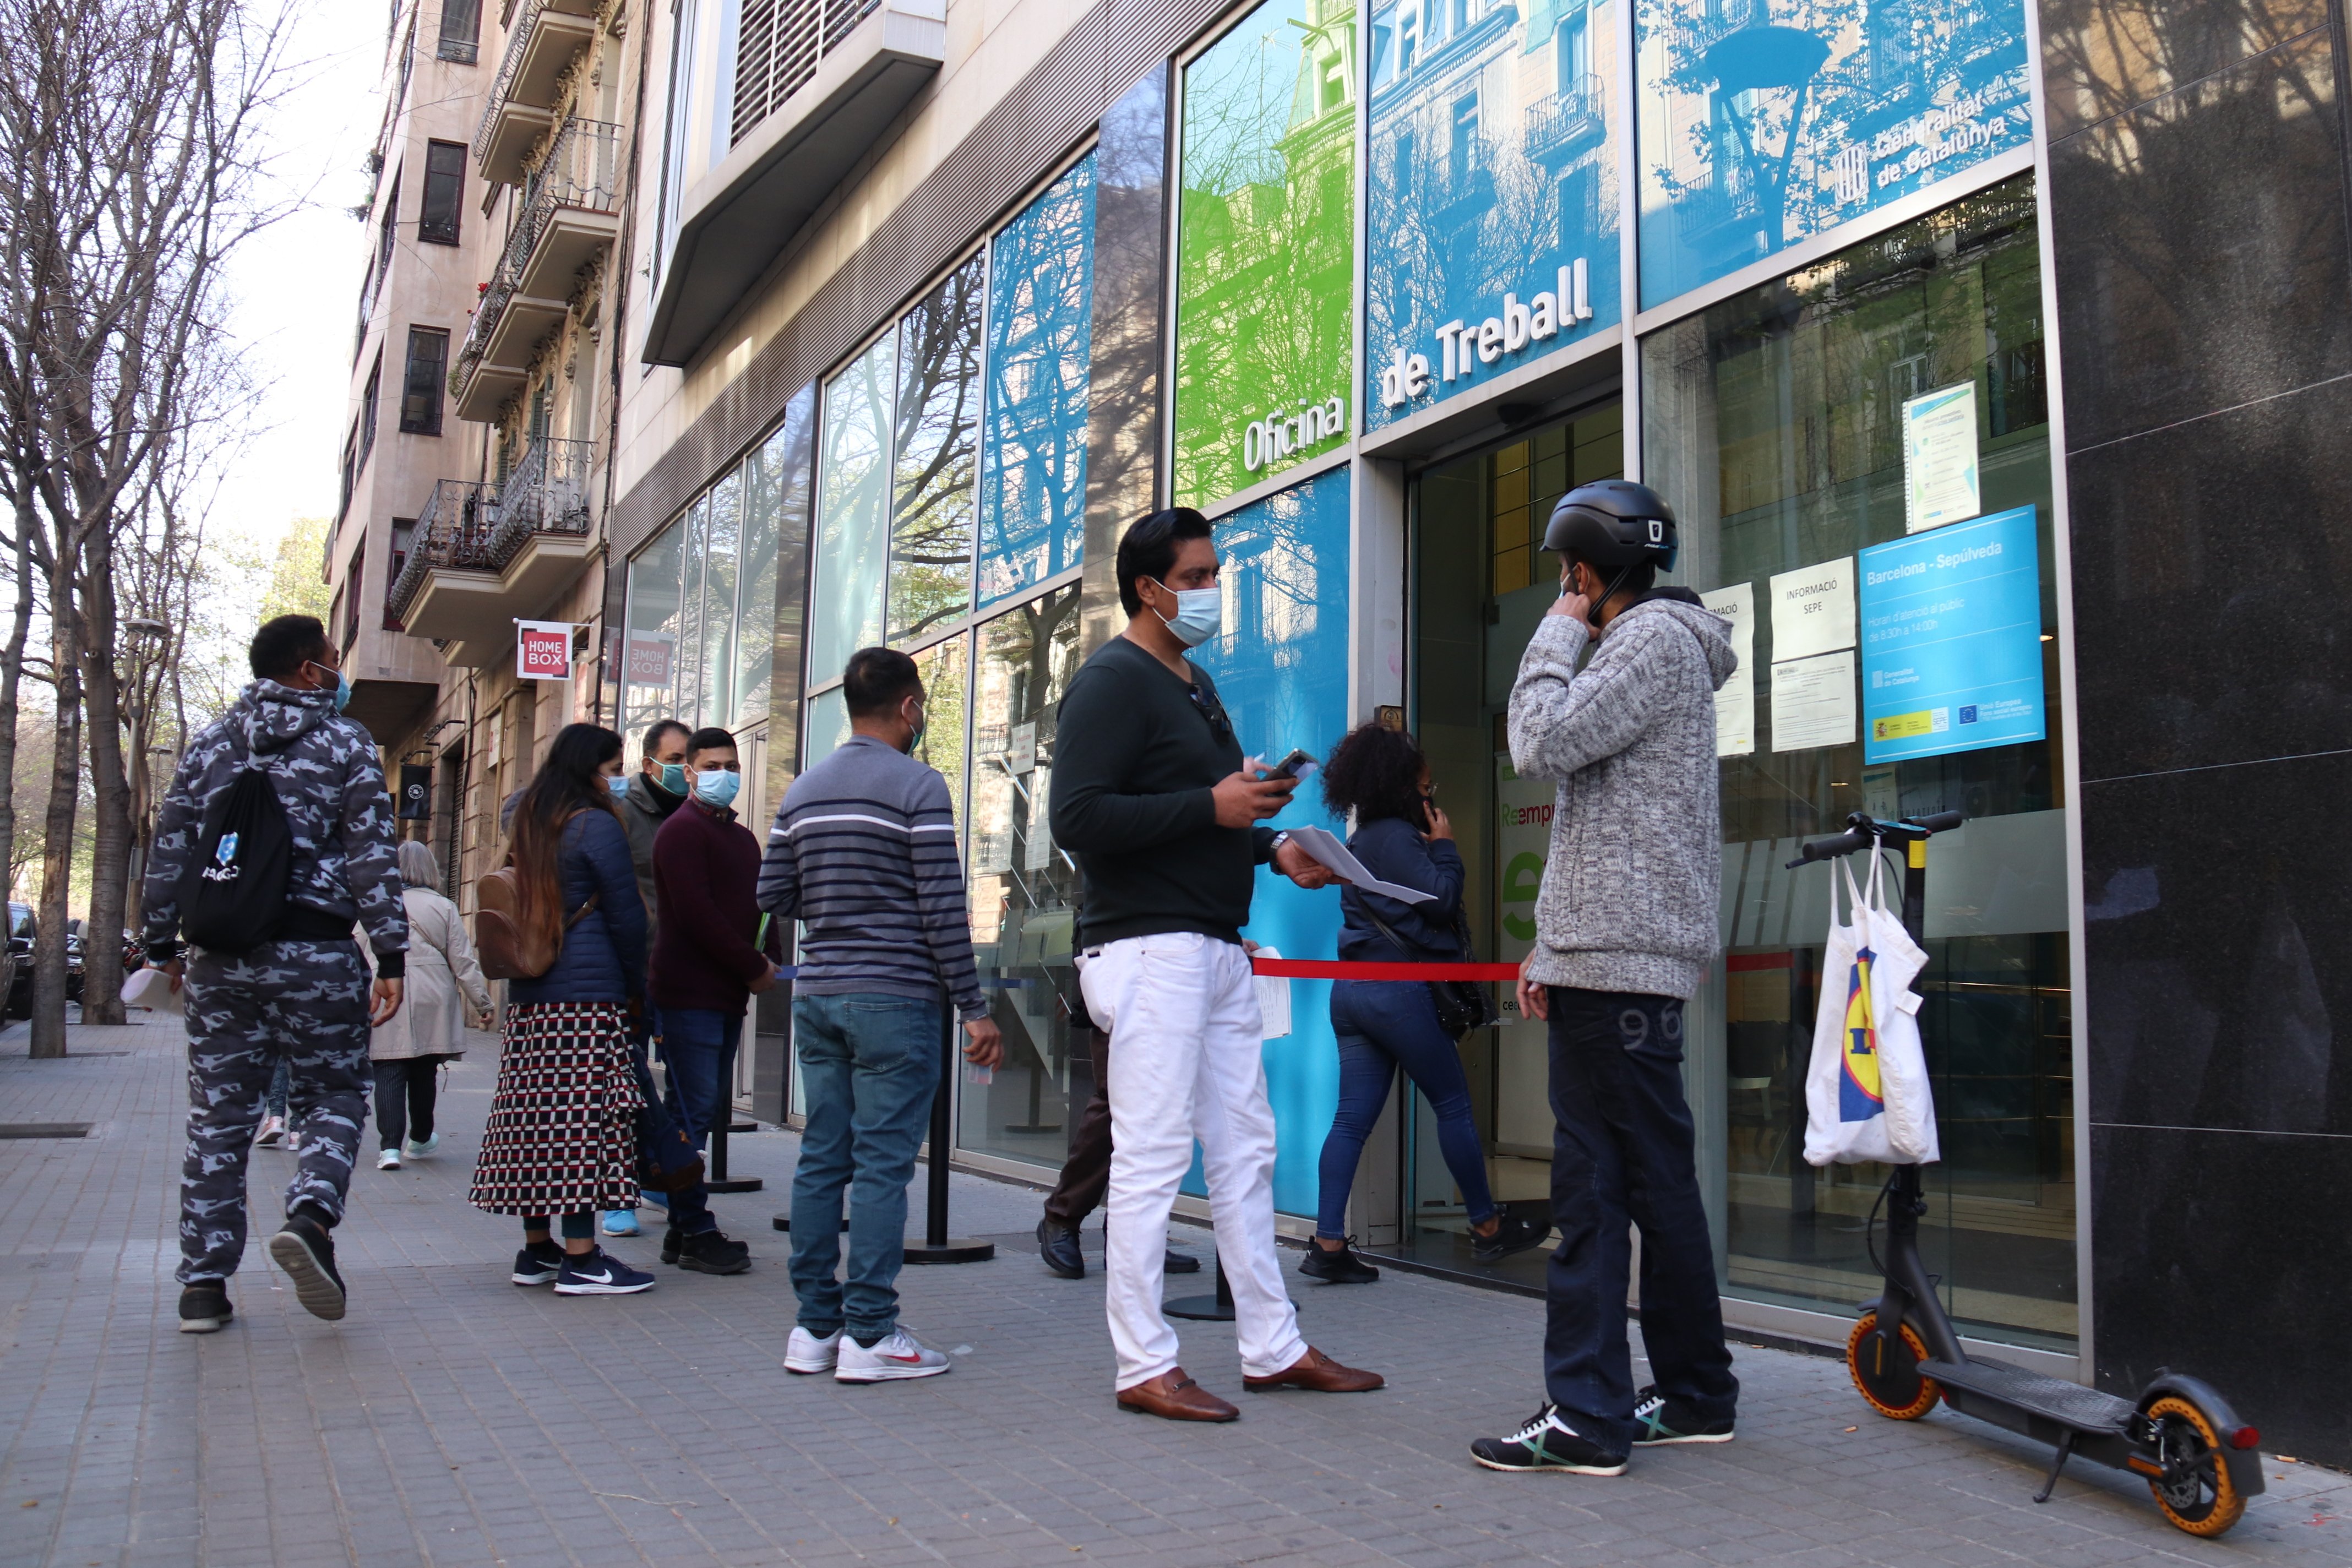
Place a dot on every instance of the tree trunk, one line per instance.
(56, 856)
(12, 673)
(110, 857)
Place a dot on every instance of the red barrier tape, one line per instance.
(1326, 969)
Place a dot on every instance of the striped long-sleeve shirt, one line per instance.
(862, 853)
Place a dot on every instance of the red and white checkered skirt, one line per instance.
(562, 1134)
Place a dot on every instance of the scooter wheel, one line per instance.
(1889, 1379)
(2195, 1492)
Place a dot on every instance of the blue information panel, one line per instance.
(1951, 639)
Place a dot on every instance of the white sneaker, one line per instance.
(388, 1161)
(896, 1357)
(806, 1354)
(416, 1151)
(273, 1129)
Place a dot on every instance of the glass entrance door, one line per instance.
(1481, 581)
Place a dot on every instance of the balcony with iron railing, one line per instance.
(1567, 122)
(545, 37)
(570, 214)
(485, 556)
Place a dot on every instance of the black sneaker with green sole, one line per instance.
(1548, 1442)
(1664, 1421)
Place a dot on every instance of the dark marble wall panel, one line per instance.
(1124, 433)
(2202, 253)
(2222, 1255)
(2213, 587)
(2102, 57)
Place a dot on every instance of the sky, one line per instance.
(294, 287)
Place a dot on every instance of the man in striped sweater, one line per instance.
(864, 854)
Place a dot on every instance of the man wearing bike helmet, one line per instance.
(1625, 927)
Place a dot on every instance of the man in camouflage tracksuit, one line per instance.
(305, 996)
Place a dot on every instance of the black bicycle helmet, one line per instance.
(1613, 524)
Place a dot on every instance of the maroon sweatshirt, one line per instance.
(705, 866)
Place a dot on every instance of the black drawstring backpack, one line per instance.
(232, 894)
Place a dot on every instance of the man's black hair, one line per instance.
(283, 646)
(709, 738)
(661, 727)
(1637, 580)
(1149, 547)
(877, 679)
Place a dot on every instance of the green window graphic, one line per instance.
(1265, 249)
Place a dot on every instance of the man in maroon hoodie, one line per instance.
(710, 954)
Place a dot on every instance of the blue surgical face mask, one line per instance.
(717, 787)
(342, 685)
(1200, 612)
(673, 777)
(618, 785)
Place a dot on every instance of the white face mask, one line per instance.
(1200, 612)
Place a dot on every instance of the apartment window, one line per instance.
(367, 411)
(355, 589)
(403, 533)
(461, 31)
(1465, 138)
(1573, 53)
(350, 470)
(445, 193)
(388, 230)
(420, 389)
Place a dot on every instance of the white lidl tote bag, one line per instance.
(1866, 1094)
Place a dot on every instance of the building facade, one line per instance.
(1961, 333)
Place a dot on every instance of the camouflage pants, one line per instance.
(305, 1003)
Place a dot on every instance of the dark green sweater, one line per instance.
(1134, 763)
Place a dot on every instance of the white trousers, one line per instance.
(1185, 1043)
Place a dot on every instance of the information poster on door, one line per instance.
(1951, 639)
(1735, 700)
(1939, 458)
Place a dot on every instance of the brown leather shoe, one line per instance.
(1317, 1374)
(1175, 1398)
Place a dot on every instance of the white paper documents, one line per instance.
(1327, 849)
(1735, 700)
(1814, 701)
(1812, 609)
(1272, 1000)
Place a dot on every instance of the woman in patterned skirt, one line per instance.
(561, 1139)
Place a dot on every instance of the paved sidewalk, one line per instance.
(454, 1419)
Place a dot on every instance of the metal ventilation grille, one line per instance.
(777, 45)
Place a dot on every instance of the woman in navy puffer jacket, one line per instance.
(561, 1139)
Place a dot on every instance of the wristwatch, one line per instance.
(1281, 838)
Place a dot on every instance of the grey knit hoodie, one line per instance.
(1631, 894)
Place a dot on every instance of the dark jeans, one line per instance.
(871, 1065)
(405, 1095)
(689, 1207)
(273, 1099)
(1623, 1149)
(1384, 1024)
(697, 1047)
(1085, 1174)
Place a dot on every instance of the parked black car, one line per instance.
(73, 959)
(21, 932)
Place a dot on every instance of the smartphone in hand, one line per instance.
(1295, 767)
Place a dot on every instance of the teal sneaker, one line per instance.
(1664, 1421)
(1548, 1442)
(621, 1222)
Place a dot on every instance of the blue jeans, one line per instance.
(870, 1066)
(1384, 1025)
(689, 1208)
(697, 1046)
(1623, 1149)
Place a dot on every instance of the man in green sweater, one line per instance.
(1154, 799)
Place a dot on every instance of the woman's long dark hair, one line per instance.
(566, 784)
(1376, 772)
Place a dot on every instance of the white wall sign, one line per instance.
(1462, 348)
(1939, 458)
(1813, 610)
(1814, 701)
(543, 649)
(1735, 700)
(1285, 434)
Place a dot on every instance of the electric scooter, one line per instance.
(2200, 1460)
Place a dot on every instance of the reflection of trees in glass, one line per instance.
(649, 657)
(1265, 239)
(935, 459)
(1790, 113)
(1032, 498)
(942, 742)
(723, 541)
(854, 509)
(1026, 659)
(690, 609)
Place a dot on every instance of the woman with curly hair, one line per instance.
(1381, 777)
(561, 1140)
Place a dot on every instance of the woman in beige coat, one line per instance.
(409, 1048)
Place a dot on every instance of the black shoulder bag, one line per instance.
(1462, 1004)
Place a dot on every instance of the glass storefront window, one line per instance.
(1032, 487)
(723, 538)
(1491, 200)
(937, 456)
(1023, 889)
(943, 741)
(693, 554)
(1777, 425)
(768, 477)
(853, 486)
(1265, 249)
(649, 656)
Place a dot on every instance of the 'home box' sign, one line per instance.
(1461, 346)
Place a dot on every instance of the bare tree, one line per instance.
(126, 177)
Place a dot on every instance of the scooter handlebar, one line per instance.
(1846, 843)
(1941, 821)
